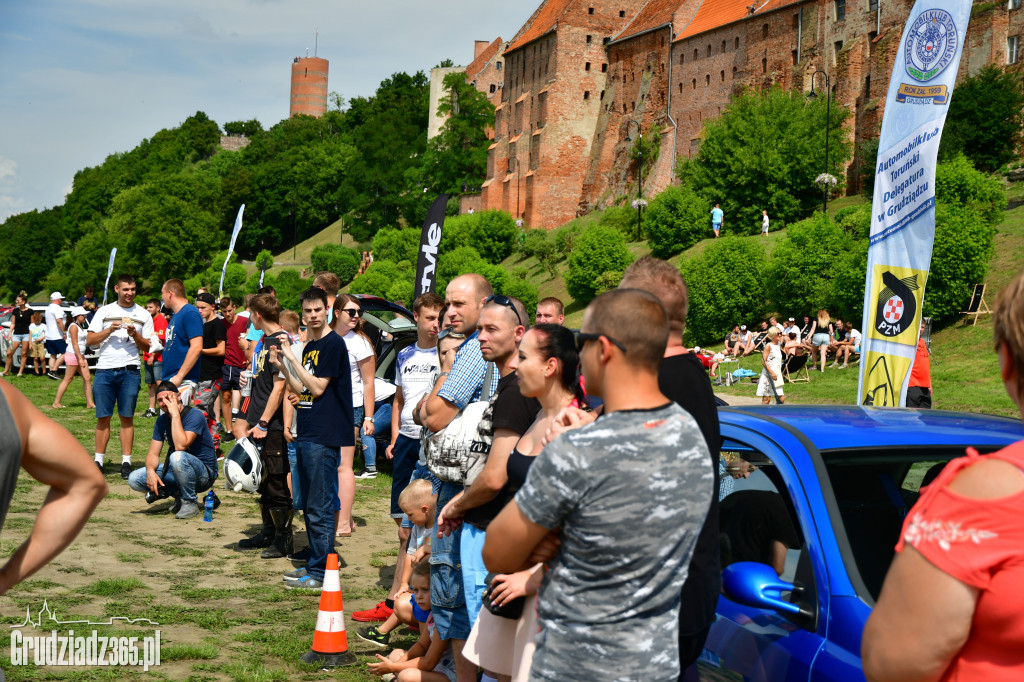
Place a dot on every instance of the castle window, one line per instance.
(839, 48)
(498, 66)
(840, 10)
(764, 65)
(604, 68)
(695, 54)
(707, 80)
(680, 87)
(588, 40)
(873, 5)
(606, 40)
(586, 94)
(723, 47)
(734, 72)
(694, 83)
(602, 95)
(736, 42)
(681, 57)
(493, 88)
(590, 10)
(796, 18)
(722, 74)
(709, 49)
(1013, 4)
(586, 67)
(764, 31)
(1013, 49)
(622, 13)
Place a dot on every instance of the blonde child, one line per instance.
(430, 658)
(37, 337)
(419, 502)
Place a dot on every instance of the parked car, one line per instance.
(91, 354)
(391, 328)
(807, 539)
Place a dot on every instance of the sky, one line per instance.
(81, 79)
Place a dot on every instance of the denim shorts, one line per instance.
(447, 596)
(17, 339)
(821, 339)
(120, 385)
(154, 373)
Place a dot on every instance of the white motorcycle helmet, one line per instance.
(243, 467)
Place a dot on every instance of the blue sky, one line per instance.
(81, 79)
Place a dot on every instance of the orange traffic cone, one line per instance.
(330, 643)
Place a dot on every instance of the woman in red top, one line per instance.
(951, 607)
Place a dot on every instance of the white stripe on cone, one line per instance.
(330, 621)
(332, 582)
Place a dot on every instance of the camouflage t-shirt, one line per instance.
(630, 493)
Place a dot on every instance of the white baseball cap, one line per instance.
(55, 295)
(696, 349)
(78, 310)
(792, 320)
(742, 327)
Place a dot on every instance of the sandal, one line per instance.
(58, 407)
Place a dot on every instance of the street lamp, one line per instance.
(828, 121)
(639, 171)
(508, 171)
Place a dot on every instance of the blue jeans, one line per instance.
(406, 452)
(318, 479)
(474, 573)
(187, 477)
(121, 385)
(381, 425)
(447, 596)
(296, 487)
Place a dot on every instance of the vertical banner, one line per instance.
(110, 269)
(430, 242)
(263, 265)
(231, 248)
(903, 210)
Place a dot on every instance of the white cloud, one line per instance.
(7, 168)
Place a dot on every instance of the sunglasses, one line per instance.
(352, 312)
(583, 337)
(504, 301)
(450, 332)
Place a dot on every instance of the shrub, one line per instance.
(622, 218)
(385, 279)
(396, 244)
(957, 182)
(727, 284)
(565, 239)
(493, 234)
(818, 264)
(676, 220)
(960, 257)
(340, 260)
(289, 284)
(608, 281)
(597, 250)
(264, 260)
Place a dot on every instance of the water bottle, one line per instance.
(208, 511)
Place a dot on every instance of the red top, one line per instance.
(921, 374)
(234, 356)
(160, 329)
(980, 543)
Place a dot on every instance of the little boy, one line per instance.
(418, 501)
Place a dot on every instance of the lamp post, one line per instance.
(639, 171)
(828, 121)
(295, 235)
(515, 162)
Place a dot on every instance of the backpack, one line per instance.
(450, 451)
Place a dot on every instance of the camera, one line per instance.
(161, 494)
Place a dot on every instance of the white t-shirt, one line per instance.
(358, 349)
(418, 536)
(764, 223)
(37, 332)
(53, 313)
(855, 338)
(414, 374)
(793, 329)
(118, 349)
(382, 389)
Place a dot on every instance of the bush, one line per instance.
(264, 260)
(385, 279)
(818, 264)
(958, 183)
(493, 234)
(342, 261)
(960, 257)
(597, 250)
(289, 284)
(676, 220)
(565, 239)
(608, 281)
(622, 218)
(396, 244)
(727, 285)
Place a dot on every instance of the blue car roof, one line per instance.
(831, 427)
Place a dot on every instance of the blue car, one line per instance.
(812, 504)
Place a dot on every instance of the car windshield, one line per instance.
(874, 490)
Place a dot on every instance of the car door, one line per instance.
(765, 518)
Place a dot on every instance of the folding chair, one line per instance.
(977, 305)
(794, 365)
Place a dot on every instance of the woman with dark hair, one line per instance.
(21, 319)
(951, 604)
(348, 323)
(546, 366)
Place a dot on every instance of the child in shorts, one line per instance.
(419, 503)
(37, 336)
(430, 658)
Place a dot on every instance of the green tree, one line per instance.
(457, 156)
(727, 287)
(764, 152)
(597, 250)
(493, 234)
(986, 118)
(676, 220)
(86, 264)
(27, 244)
(396, 245)
(201, 135)
(960, 257)
(341, 260)
(957, 182)
(381, 278)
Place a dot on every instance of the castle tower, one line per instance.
(309, 86)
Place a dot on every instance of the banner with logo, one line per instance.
(110, 269)
(231, 248)
(903, 210)
(430, 242)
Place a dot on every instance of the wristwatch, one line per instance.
(262, 424)
(367, 419)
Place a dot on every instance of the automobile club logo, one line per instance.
(931, 44)
(897, 305)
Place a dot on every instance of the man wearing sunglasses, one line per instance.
(627, 497)
(464, 296)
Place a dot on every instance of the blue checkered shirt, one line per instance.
(466, 380)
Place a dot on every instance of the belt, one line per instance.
(132, 368)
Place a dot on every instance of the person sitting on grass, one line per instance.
(430, 658)
(191, 466)
(419, 503)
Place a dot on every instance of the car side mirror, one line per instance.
(755, 584)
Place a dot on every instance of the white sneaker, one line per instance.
(368, 474)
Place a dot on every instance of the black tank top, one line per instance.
(516, 468)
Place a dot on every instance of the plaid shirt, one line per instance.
(466, 380)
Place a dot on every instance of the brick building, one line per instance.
(309, 86)
(582, 75)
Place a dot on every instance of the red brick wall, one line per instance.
(309, 86)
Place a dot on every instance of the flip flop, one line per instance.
(57, 407)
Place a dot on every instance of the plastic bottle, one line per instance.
(208, 511)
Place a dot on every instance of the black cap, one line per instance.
(207, 298)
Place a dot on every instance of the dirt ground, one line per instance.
(223, 613)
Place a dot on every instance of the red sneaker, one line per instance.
(378, 612)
